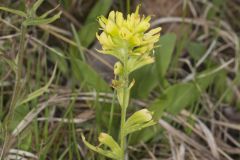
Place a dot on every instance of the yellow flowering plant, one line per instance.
(131, 41)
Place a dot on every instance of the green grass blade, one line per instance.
(37, 5)
(41, 21)
(88, 31)
(164, 54)
(14, 11)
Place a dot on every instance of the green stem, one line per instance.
(17, 86)
(128, 6)
(111, 113)
(122, 134)
(124, 107)
(9, 140)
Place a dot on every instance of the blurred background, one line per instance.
(192, 88)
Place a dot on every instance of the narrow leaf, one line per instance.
(49, 12)
(11, 63)
(41, 21)
(83, 72)
(14, 11)
(146, 80)
(36, 5)
(79, 45)
(88, 31)
(196, 50)
(175, 99)
(164, 53)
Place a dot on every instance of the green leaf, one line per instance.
(25, 141)
(145, 135)
(88, 31)
(196, 50)
(14, 11)
(41, 21)
(57, 55)
(49, 12)
(78, 42)
(175, 99)
(164, 54)
(18, 115)
(216, 9)
(179, 96)
(205, 78)
(11, 63)
(83, 72)
(36, 5)
(145, 81)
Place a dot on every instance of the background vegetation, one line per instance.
(193, 88)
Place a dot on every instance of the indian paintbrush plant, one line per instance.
(132, 43)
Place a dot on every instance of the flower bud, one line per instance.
(118, 68)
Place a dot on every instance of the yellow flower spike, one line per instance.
(130, 34)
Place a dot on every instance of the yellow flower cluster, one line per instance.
(126, 38)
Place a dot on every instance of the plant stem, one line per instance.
(17, 86)
(128, 6)
(122, 134)
(9, 140)
(124, 107)
(111, 113)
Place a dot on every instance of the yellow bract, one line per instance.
(139, 120)
(127, 36)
